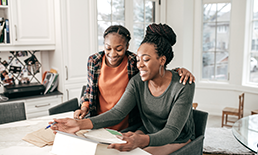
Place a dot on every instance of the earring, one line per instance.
(162, 75)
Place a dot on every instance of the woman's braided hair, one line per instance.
(163, 38)
(119, 29)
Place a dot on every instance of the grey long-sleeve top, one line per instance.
(167, 118)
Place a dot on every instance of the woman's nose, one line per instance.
(139, 64)
(113, 53)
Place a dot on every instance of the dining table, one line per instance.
(11, 135)
(12, 143)
(245, 130)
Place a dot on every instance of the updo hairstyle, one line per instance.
(119, 29)
(163, 38)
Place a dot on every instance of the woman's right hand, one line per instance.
(81, 113)
(68, 125)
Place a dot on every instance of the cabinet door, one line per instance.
(76, 40)
(32, 22)
(39, 107)
(72, 91)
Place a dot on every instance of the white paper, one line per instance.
(102, 135)
(65, 144)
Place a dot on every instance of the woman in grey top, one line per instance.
(165, 105)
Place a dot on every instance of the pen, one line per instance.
(50, 125)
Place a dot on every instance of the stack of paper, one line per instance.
(40, 137)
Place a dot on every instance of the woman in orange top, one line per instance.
(109, 71)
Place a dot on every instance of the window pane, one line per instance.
(221, 65)
(138, 31)
(150, 11)
(118, 10)
(253, 77)
(138, 10)
(118, 23)
(254, 46)
(255, 11)
(102, 26)
(222, 36)
(208, 65)
(209, 13)
(223, 12)
(208, 36)
(254, 68)
(104, 9)
(216, 19)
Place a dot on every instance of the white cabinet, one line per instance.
(32, 22)
(39, 106)
(72, 46)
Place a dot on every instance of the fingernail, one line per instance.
(190, 82)
(183, 83)
(180, 81)
(109, 147)
(180, 74)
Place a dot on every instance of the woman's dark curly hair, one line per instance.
(163, 38)
(119, 29)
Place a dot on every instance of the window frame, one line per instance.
(248, 45)
(160, 16)
(216, 31)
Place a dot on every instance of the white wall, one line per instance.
(184, 17)
(180, 18)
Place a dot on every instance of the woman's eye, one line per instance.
(145, 60)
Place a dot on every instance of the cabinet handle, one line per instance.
(66, 68)
(44, 105)
(67, 91)
(15, 32)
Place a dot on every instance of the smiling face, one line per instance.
(115, 48)
(148, 62)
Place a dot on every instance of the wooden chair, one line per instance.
(254, 112)
(233, 111)
(195, 105)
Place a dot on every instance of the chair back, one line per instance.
(11, 112)
(70, 105)
(196, 146)
(200, 121)
(83, 90)
(241, 106)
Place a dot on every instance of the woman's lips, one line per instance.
(143, 73)
(112, 59)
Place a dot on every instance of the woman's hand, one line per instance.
(81, 113)
(68, 125)
(133, 140)
(185, 75)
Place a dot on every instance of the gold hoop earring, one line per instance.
(162, 75)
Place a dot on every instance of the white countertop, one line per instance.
(11, 135)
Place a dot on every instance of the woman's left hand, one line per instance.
(133, 140)
(185, 75)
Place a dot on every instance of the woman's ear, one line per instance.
(127, 46)
(163, 60)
